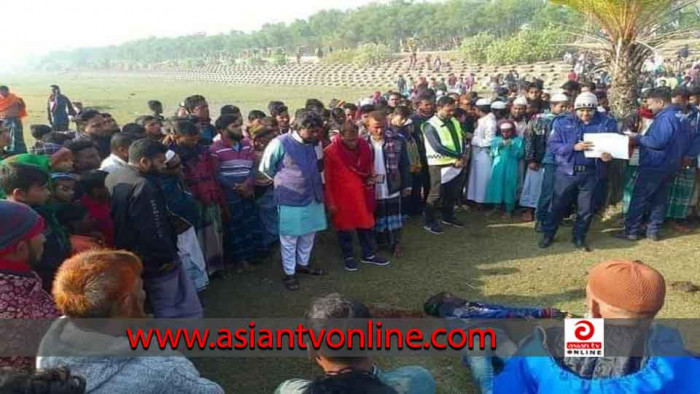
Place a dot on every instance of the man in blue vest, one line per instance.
(661, 152)
(59, 109)
(445, 153)
(576, 176)
(291, 161)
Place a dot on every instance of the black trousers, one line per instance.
(442, 196)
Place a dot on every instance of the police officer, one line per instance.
(576, 176)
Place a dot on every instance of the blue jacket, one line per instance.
(694, 119)
(666, 142)
(567, 131)
(659, 375)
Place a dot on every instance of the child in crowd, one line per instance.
(29, 185)
(264, 189)
(506, 149)
(198, 172)
(254, 119)
(96, 200)
(62, 188)
(83, 228)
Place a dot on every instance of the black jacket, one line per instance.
(142, 221)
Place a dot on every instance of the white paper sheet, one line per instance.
(615, 144)
(449, 173)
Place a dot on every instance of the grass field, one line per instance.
(491, 259)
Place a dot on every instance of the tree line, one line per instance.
(432, 26)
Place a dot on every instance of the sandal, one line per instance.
(291, 282)
(397, 251)
(309, 270)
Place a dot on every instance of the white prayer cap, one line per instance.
(483, 102)
(559, 98)
(520, 101)
(586, 100)
(505, 126)
(498, 105)
(366, 101)
(169, 156)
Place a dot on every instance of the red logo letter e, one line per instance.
(585, 332)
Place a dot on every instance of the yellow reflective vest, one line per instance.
(446, 140)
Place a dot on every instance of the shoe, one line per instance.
(581, 245)
(538, 227)
(626, 237)
(452, 222)
(351, 264)
(546, 242)
(434, 229)
(653, 237)
(375, 260)
(291, 282)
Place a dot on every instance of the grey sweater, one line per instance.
(112, 374)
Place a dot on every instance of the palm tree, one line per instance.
(628, 33)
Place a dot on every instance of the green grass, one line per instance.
(492, 260)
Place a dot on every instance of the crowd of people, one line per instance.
(109, 221)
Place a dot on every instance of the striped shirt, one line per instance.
(233, 164)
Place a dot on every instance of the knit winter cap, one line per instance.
(586, 100)
(629, 285)
(18, 223)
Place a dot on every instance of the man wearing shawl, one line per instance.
(12, 110)
(392, 180)
(350, 192)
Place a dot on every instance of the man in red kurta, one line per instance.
(350, 194)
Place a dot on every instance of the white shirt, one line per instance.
(381, 189)
(112, 163)
(485, 131)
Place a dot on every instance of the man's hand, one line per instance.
(406, 192)
(534, 166)
(582, 146)
(460, 163)
(606, 157)
(631, 134)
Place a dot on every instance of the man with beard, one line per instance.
(143, 224)
(21, 248)
(292, 162)
(91, 126)
(233, 161)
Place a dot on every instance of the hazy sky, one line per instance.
(35, 27)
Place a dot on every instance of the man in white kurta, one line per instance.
(480, 171)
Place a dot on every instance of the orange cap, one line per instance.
(629, 285)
